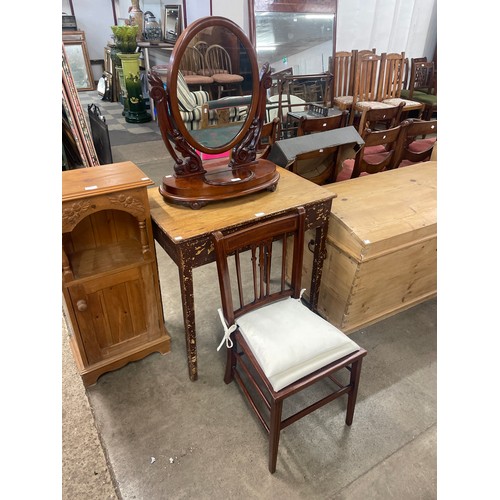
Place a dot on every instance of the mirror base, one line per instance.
(220, 183)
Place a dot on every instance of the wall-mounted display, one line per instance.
(172, 22)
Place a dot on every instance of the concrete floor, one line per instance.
(164, 436)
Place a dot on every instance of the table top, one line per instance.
(183, 223)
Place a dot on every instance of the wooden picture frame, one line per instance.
(78, 59)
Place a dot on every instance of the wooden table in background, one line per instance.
(185, 234)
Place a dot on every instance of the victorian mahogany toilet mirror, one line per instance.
(212, 58)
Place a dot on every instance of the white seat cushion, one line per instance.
(290, 341)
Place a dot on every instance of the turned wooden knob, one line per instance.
(81, 305)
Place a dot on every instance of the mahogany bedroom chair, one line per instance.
(268, 136)
(416, 141)
(372, 158)
(318, 166)
(276, 346)
(308, 125)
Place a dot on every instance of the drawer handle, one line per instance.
(81, 305)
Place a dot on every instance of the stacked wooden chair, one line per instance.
(318, 166)
(422, 86)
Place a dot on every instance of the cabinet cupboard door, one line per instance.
(114, 312)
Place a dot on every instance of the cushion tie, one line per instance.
(227, 332)
(301, 293)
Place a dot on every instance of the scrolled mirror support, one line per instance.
(190, 163)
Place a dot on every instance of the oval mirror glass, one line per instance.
(212, 83)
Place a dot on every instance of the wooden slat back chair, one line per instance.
(276, 346)
(308, 125)
(416, 141)
(370, 159)
(366, 52)
(218, 62)
(318, 166)
(344, 65)
(376, 119)
(366, 88)
(391, 83)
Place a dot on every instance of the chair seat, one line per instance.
(372, 105)
(290, 341)
(429, 99)
(348, 165)
(198, 80)
(409, 105)
(343, 100)
(422, 145)
(227, 78)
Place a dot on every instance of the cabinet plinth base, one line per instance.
(91, 373)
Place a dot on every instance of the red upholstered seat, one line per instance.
(348, 165)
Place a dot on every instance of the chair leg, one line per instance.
(274, 433)
(230, 365)
(353, 394)
(362, 120)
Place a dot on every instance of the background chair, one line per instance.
(369, 159)
(377, 119)
(318, 166)
(192, 67)
(344, 67)
(190, 103)
(422, 87)
(414, 144)
(391, 83)
(276, 346)
(366, 88)
(220, 69)
(268, 136)
(310, 125)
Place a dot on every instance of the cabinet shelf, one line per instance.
(111, 257)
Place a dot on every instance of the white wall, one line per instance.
(387, 25)
(408, 26)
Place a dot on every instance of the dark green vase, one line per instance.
(135, 110)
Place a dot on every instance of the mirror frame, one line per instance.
(175, 59)
(304, 6)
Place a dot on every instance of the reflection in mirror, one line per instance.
(214, 87)
(301, 41)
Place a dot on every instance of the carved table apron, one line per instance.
(185, 234)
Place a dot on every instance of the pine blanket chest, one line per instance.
(381, 246)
